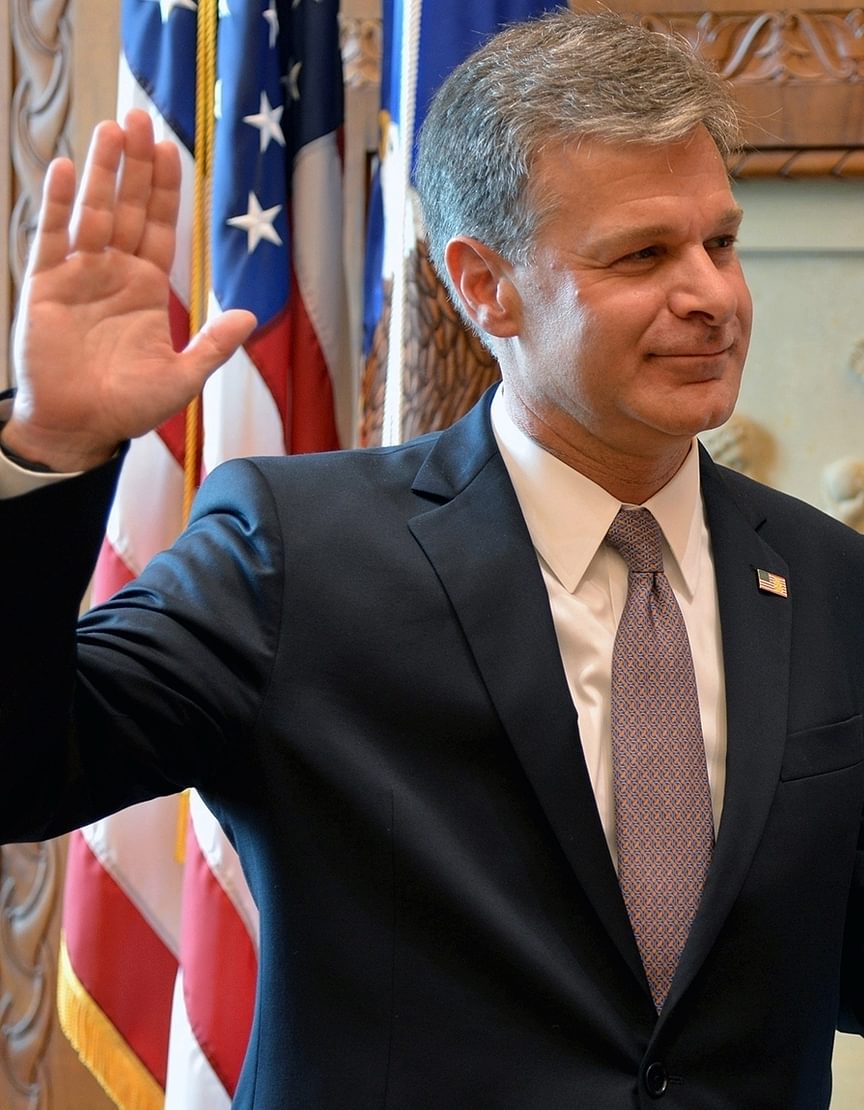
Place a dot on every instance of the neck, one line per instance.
(629, 477)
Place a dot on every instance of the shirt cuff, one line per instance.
(14, 478)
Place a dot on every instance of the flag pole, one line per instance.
(205, 93)
(393, 383)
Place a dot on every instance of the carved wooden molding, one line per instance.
(797, 162)
(821, 47)
(742, 444)
(798, 75)
(30, 891)
(843, 491)
(41, 38)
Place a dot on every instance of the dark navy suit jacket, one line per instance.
(352, 657)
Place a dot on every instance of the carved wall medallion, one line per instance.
(843, 490)
(742, 445)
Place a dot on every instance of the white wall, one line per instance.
(802, 246)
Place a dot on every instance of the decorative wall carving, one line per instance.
(41, 36)
(31, 875)
(843, 490)
(741, 444)
(797, 72)
(822, 47)
(30, 891)
(799, 162)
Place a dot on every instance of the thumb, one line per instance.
(217, 341)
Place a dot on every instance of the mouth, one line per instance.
(698, 365)
(698, 353)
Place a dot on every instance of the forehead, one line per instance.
(597, 183)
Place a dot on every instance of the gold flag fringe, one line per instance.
(100, 1045)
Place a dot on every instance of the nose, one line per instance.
(705, 286)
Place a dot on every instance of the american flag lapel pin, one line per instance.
(772, 583)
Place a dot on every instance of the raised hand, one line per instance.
(93, 354)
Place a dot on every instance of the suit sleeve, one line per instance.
(158, 687)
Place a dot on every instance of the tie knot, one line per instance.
(635, 535)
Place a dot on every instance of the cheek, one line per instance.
(567, 321)
(624, 324)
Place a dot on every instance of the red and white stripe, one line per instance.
(178, 980)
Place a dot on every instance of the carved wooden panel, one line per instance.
(30, 878)
(798, 74)
(40, 110)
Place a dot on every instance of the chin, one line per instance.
(716, 417)
(690, 420)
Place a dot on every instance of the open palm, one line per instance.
(94, 359)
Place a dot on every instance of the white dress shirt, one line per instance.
(568, 517)
(15, 480)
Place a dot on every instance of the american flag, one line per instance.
(772, 583)
(159, 949)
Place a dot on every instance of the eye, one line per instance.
(645, 254)
(722, 243)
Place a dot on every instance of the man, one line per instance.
(395, 674)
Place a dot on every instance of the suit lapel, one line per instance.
(756, 632)
(477, 542)
(475, 538)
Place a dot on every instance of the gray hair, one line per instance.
(548, 83)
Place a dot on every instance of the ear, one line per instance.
(482, 279)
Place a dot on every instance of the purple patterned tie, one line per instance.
(664, 825)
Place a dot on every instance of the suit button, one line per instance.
(656, 1080)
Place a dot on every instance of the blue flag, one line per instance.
(423, 40)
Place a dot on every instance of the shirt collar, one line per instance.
(567, 539)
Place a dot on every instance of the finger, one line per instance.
(133, 189)
(93, 215)
(158, 234)
(215, 343)
(51, 242)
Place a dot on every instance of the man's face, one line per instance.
(633, 317)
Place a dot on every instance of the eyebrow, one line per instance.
(729, 219)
